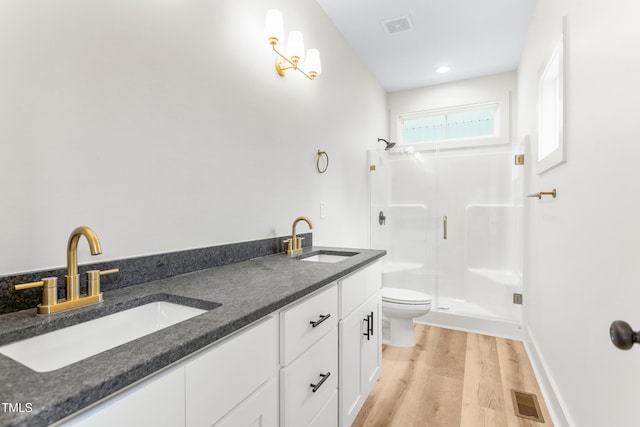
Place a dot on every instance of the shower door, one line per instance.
(451, 228)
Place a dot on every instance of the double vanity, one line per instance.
(289, 340)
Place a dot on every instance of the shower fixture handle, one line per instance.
(622, 336)
(381, 218)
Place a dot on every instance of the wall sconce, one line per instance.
(274, 32)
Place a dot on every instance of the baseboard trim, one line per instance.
(485, 326)
(552, 397)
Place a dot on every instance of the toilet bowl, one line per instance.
(399, 308)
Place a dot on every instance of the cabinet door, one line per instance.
(351, 394)
(258, 410)
(158, 401)
(360, 357)
(371, 356)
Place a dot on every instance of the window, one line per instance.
(551, 106)
(476, 121)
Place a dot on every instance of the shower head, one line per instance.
(389, 146)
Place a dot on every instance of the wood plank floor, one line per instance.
(451, 378)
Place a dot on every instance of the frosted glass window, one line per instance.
(447, 126)
(425, 129)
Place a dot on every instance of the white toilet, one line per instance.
(399, 308)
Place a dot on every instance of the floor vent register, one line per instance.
(526, 406)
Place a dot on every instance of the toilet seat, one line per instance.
(404, 296)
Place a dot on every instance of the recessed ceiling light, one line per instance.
(443, 69)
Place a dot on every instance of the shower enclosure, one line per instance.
(450, 222)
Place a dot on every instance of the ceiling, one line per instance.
(473, 37)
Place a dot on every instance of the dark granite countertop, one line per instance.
(246, 292)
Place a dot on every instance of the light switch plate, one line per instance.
(323, 210)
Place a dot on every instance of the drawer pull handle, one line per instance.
(322, 319)
(323, 378)
(369, 321)
(367, 328)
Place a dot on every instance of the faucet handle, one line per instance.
(29, 285)
(49, 287)
(289, 243)
(107, 272)
(93, 280)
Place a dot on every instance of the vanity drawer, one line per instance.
(357, 287)
(328, 416)
(373, 281)
(297, 330)
(299, 404)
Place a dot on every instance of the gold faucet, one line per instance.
(50, 303)
(72, 277)
(294, 245)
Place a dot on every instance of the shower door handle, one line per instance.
(444, 226)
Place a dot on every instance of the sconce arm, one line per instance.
(292, 65)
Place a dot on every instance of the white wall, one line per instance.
(581, 265)
(164, 126)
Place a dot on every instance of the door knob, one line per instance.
(622, 336)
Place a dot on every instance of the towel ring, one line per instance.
(320, 154)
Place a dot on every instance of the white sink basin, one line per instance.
(54, 350)
(324, 258)
(328, 257)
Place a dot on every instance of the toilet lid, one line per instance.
(404, 296)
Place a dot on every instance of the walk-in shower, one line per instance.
(450, 223)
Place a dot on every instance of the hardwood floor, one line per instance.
(451, 378)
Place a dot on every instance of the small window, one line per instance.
(457, 123)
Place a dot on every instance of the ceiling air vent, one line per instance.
(397, 25)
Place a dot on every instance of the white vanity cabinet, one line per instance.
(309, 358)
(233, 382)
(222, 377)
(311, 364)
(360, 356)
